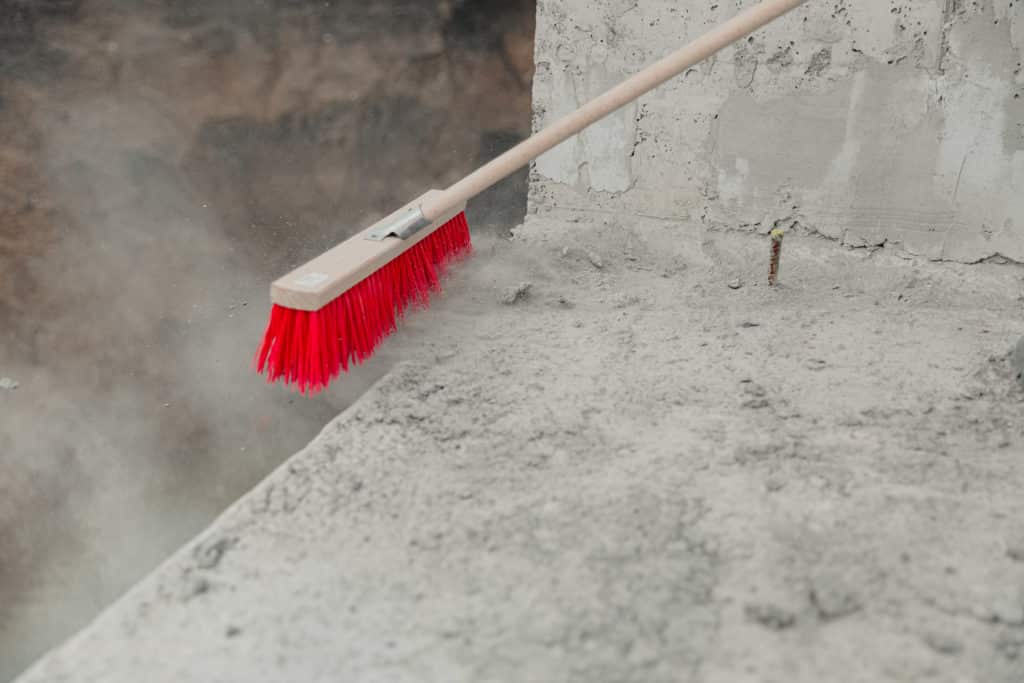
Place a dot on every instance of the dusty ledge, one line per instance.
(632, 472)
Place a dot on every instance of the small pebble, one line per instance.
(942, 644)
(1007, 610)
(754, 389)
(1010, 645)
(1015, 549)
(642, 652)
(770, 616)
(1017, 361)
(515, 293)
(623, 300)
(735, 284)
(595, 260)
(833, 597)
(193, 587)
(8, 383)
(446, 354)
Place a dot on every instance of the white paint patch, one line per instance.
(560, 164)
(312, 280)
(834, 191)
(971, 149)
(1014, 223)
(606, 147)
(731, 185)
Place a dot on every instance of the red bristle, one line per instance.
(298, 341)
(273, 326)
(308, 349)
(339, 353)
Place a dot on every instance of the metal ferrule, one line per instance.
(404, 226)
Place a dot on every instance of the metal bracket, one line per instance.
(403, 226)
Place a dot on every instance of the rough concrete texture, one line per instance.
(636, 472)
(1017, 360)
(890, 122)
(614, 454)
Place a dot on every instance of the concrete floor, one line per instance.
(646, 466)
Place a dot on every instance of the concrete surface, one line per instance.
(1017, 360)
(632, 471)
(896, 122)
(614, 454)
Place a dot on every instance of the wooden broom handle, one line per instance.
(651, 77)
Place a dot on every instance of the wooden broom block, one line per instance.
(313, 285)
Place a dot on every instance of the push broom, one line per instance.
(334, 311)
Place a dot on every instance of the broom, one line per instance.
(334, 311)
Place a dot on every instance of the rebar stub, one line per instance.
(776, 252)
(403, 226)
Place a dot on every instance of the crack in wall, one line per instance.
(951, 9)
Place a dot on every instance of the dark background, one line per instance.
(160, 164)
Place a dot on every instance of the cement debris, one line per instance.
(516, 293)
(579, 497)
(770, 616)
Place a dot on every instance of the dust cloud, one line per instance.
(161, 163)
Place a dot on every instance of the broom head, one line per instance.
(334, 311)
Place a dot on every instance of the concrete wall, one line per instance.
(897, 122)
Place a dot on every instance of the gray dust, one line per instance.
(161, 164)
